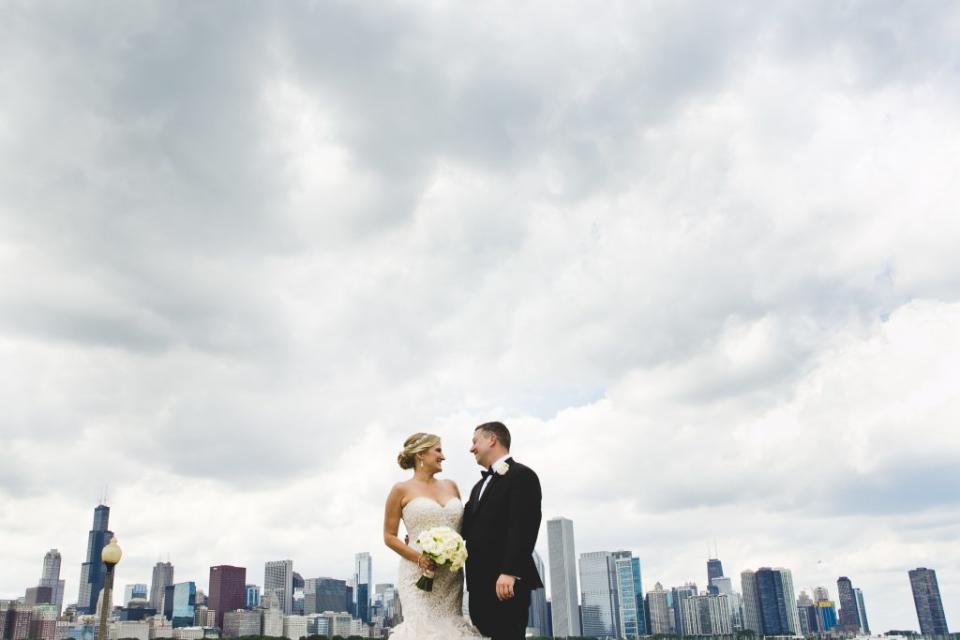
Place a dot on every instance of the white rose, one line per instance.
(501, 468)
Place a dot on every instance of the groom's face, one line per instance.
(482, 445)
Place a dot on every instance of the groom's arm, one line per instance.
(523, 525)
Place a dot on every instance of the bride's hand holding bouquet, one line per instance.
(444, 547)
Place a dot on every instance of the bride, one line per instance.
(423, 502)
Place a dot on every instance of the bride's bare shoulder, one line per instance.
(399, 490)
(452, 486)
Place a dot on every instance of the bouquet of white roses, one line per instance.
(445, 547)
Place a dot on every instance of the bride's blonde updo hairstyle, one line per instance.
(417, 443)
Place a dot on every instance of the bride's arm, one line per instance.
(391, 526)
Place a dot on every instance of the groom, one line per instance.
(500, 524)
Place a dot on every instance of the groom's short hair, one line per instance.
(497, 429)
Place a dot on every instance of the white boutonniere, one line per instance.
(501, 468)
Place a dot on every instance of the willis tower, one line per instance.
(93, 570)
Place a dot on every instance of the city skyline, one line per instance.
(598, 576)
(699, 257)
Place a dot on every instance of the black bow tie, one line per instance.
(487, 473)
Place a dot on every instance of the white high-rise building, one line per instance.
(723, 584)
(563, 578)
(751, 602)
(278, 579)
(658, 604)
(51, 566)
(790, 600)
(861, 609)
(706, 615)
(50, 577)
(272, 614)
(598, 595)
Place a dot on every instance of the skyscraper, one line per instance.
(808, 616)
(706, 615)
(272, 613)
(363, 579)
(537, 619)
(751, 602)
(326, 594)
(714, 570)
(92, 571)
(658, 604)
(298, 583)
(565, 614)
(632, 620)
(849, 615)
(180, 604)
(769, 603)
(50, 577)
(677, 596)
(598, 590)
(278, 579)
(926, 598)
(162, 578)
(862, 610)
(723, 586)
(228, 590)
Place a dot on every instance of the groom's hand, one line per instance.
(505, 587)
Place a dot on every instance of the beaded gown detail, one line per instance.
(437, 614)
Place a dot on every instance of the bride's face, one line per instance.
(433, 458)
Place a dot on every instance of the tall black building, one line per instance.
(926, 598)
(849, 610)
(327, 594)
(714, 570)
(93, 571)
(769, 605)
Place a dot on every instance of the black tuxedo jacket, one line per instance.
(501, 529)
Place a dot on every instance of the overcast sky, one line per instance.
(701, 257)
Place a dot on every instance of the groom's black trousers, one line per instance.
(506, 620)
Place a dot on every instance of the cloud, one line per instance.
(701, 258)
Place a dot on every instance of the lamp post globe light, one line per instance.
(110, 555)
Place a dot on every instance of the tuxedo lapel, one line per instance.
(495, 481)
(475, 497)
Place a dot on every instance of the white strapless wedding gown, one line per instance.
(437, 614)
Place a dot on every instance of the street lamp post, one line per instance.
(110, 555)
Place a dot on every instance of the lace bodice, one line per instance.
(438, 614)
(423, 513)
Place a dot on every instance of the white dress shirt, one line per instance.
(490, 477)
